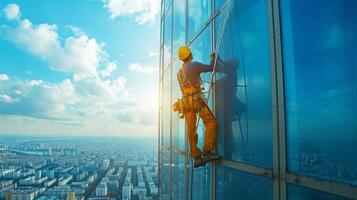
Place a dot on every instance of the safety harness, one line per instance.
(191, 100)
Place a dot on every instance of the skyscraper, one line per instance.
(284, 94)
(71, 195)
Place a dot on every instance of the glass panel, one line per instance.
(198, 14)
(168, 37)
(165, 181)
(178, 176)
(218, 3)
(201, 49)
(167, 79)
(321, 87)
(234, 184)
(178, 125)
(166, 108)
(167, 5)
(200, 184)
(243, 84)
(296, 192)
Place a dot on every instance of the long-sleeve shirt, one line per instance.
(194, 69)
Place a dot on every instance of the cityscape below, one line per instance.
(94, 168)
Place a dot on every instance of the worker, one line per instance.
(192, 103)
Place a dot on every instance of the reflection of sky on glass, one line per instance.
(321, 86)
(243, 86)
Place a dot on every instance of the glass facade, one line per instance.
(321, 87)
(284, 95)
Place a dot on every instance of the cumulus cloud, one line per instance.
(108, 90)
(36, 98)
(153, 54)
(108, 70)
(4, 77)
(142, 10)
(6, 99)
(77, 54)
(137, 67)
(12, 12)
(64, 100)
(88, 96)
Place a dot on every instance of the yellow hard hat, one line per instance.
(184, 52)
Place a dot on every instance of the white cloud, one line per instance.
(77, 54)
(76, 30)
(85, 98)
(108, 90)
(137, 67)
(6, 99)
(4, 77)
(142, 10)
(153, 54)
(12, 12)
(108, 70)
(37, 98)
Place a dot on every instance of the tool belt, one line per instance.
(188, 103)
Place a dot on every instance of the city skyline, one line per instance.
(78, 168)
(72, 68)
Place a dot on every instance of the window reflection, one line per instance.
(321, 93)
(297, 192)
(178, 176)
(234, 184)
(178, 125)
(243, 85)
(198, 14)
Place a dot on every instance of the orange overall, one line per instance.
(193, 95)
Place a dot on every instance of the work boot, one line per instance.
(198, 162)
(210, 156)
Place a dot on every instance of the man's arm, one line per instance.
(199, 67)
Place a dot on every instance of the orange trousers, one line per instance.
(211, 130)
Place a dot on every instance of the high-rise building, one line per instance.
(102, 189)
(71, 195)
(8, 195)
(38, 174)
(126, 191)
(284, 94)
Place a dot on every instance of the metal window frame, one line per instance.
(162, 32)
(278, 173)
(278, 101)
(187, 161)
(171, 94)
(213, 94)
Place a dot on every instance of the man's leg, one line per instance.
(211, 128)
(191, 119)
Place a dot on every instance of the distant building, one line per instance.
(105, 164)
(126, 191)
(38, 174)
(8, 195)
(71, 195)
(101, 190)
(20, 195)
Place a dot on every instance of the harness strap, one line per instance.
(182, 71)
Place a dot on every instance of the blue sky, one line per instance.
(86, 67)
